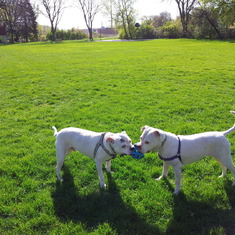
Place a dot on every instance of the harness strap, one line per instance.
(175, 156)
(101, 144)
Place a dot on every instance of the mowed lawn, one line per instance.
(181, 86)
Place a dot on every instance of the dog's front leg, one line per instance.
(164, 170)
(100, 174)
(108, 166)
(178, 175)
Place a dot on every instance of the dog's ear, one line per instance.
(123, 132)
(110, 140)
(144, 127)
(156, 133)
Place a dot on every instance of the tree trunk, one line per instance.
(212, 24)
(90, 33)
(128, 26)
(53, 31)
(185, 7)
(11, 33)
(183, 18)
(124, 25)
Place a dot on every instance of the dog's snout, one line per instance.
(138, 146)
(132, 148)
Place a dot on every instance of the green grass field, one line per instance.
(181, 86)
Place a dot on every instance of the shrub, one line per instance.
(70, 34)
(172, 29)
(148, 32)
(144, 31)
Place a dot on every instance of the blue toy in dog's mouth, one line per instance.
(136, 153)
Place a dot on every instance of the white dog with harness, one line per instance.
(98, 146)
(177, 151)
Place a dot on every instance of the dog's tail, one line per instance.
(232, 128)
(55, 131)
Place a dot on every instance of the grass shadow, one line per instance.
(196, 217)
(97, 208)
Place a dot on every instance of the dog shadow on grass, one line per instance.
(103, 206)
(199, 217)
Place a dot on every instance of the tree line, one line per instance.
(19, 18)
(197, 19)
(212, 19)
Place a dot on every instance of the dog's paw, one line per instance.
(102, 185)
(60, 179)
(176, 192)
(159, 178)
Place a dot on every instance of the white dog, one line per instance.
(98, 146)
(176, 151)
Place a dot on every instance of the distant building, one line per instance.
(106, 32)
(3, 33)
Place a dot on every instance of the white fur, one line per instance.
(72, 139)
(193, 148)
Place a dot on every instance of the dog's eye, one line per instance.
(122, 140)
(124, 146)
(146, 142)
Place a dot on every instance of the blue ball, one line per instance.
(136, 153)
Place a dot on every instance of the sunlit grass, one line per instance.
(181, 86)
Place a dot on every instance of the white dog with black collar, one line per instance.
(99, 146)
(177, 151)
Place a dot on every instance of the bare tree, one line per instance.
(185, 7)
(53, 11)
(89, 9)
(108, 10)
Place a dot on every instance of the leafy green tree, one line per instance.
(125, 18)
(204, 23)
(20, 19)
(185, 7)
(27, 24)
(43, 30)
(157, 20)
(224, 8)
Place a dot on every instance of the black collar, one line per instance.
(101, 144)
(174, 157)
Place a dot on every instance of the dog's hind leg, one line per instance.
(227, 162)
(178, 176)
(58, 168)
(60, 155)
(224, 168)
